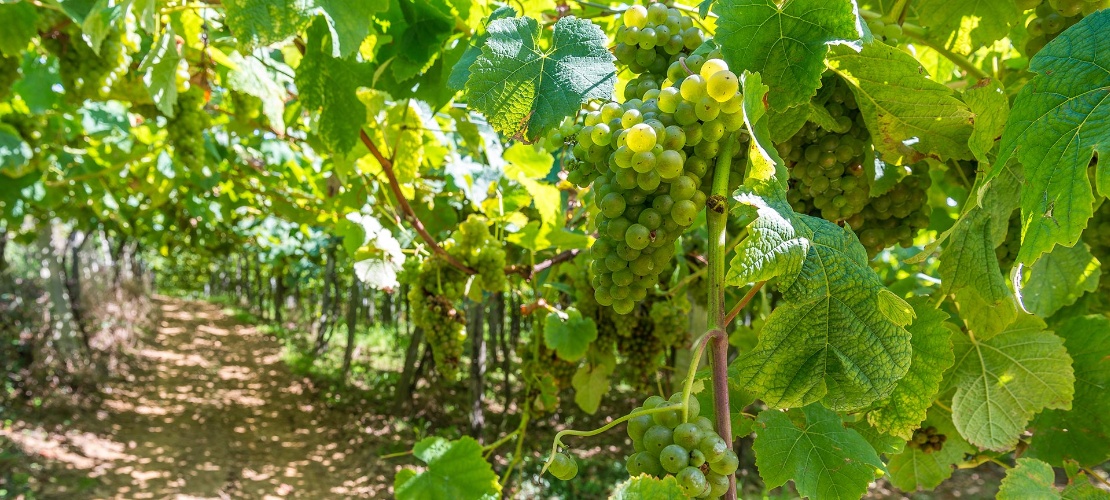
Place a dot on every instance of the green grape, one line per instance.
(658, 437)
(692, 88)
(563, 467)
(185, 130)
(713, 447)
(641, 138)
(687, 435)
(726, 465)
(722, 85)
(674, 458)
(718, 484)
(692, 481)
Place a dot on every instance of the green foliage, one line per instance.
(455, 469)
(1029, 479)
(831, 341)
(1053, 133)
(1001, 382)
(787, 43)
(811, 447)
(328, 84)
(523, 89)
(569, 334)
(644, 487)
(1059, 278)
(914, 468)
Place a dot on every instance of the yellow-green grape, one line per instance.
(722, 85)
(563, 467)
(87, 73)
(712, 67)
(185, 130)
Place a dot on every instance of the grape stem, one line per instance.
(716, 215)
(571, 432)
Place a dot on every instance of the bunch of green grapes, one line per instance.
(86, 74)
(433, 292)
(897, 215)
(652, 37)
(928, 440)
(1052, 17)
(1097, 236)
(671, 321)
(185, 130)
(826, 167)
(1007, 251)
(891, 33)
(9, 73)
(690, 450)
(648, 160)
(643, 352)
(476, 248)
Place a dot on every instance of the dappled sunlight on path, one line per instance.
(211, 412)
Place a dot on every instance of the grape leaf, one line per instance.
(591, 383)
(350, 21)
(461, 72)
(1082, 434)
(900, 104)
(569, 337)
(1003, 381)
(966, 25)
(99, 22)
(253, 78)
(159, 70)
(812, 447)
(1059, 278)
(262, 22)
(829, 341)
(527, 161)
(1082, 489)
(645, 487)
(455, 469)
(913, 469)
(969, 269)
(1054, 130)
(524, 90)
(990, 108)
(930, 339)
(19, 21)
(764, 158)
(787, 44)
(330, 84)
(1030, 479)
(417, 29)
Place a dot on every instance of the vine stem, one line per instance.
(743, 302)
(410, 215)
(716, 215)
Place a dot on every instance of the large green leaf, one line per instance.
(1031, 479)
(1083, 433)
(460, 73)
(645, 487)
(1003, 381)
(19, 21)
(14, 152)
(569, 336)
(159, 70)
(262, 22)
(525, 90)
(455, 469)
(1059, 278)
(763, 157)
(785, 43)
(969, 269)
(330, 84)
(839, 336)
(931, 341)
(591, 383)
(417, 30)
(966, 25)
(812, 447)
(253, 78)
(901, 104)
(1057, 125)
(350, 20)
(913, 469)
(990, 107)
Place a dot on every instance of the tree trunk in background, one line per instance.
(326, 306)
(117, 262)
(387, 308)
(371, 303)
(514, 337)
(279, 292)
(408, 373)
(475, 331)
(353, 299)
(73, 284)
(263, 285)
(61, 318)
(3, 247)
(248, 287)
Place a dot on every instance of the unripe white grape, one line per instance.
(693, 88)
(722, 85)
(712, 66)
(635, 16)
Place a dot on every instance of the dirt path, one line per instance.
(212, 412)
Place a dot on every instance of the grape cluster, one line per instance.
(648, 161)
(827, 177)
(692, 451)
(897, 215)
(928, 440)
(185, 130)
(434, 289)
(86, 74)
(891, 33)
(826, 167)
(1052, 17)
(650, 39)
